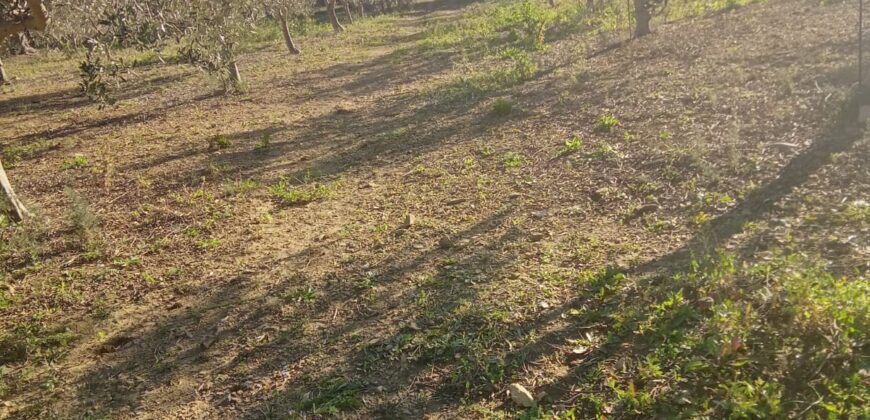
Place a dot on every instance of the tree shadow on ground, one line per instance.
(190, 344)
(284, 319)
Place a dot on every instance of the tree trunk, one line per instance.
(3, 77)
(642, 17)
(37, 21)
(285, 29)
(347, 11)
(590, 6)
(235, 76)
(19, 213)
(330, 8)
(22, 45)
(362, 10)
(552, 3)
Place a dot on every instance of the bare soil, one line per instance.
(210, 299)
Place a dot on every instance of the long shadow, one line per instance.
(187, 342)
(139, 116)
(191, 341)
(44, 102)
(71, 99)
(839, 136)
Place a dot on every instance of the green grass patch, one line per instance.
(301, 194)
(332, 397)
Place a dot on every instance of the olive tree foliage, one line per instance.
(211, 38)
(207, 31)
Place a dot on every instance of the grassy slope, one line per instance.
(176, 278)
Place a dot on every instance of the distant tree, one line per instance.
(333, 18)
(282, 11)
(213, 28)
(347, 11)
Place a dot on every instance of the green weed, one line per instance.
(75, 162)
(606, 123)
(513, 160)
(302, 194)
(502, 107)
(574, 145)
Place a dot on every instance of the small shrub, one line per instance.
(84, 222)
(219, 142)
(502, 107)
(265, 141)
(523, 68)
(532, 19)
(96, 78)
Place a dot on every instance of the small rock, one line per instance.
(580, 351)
(544, 305)
(456, 201)
(445, 243)
(539, 214)
(521, 396)
(410, 220)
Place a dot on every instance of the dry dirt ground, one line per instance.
(196, 293)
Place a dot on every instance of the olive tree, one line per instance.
(282, 11)
(33, 17)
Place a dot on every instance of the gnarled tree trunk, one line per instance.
(642, 17)
(3, 78)
(36, 21)
(347, 11)
(22, 45)
(19, 212)
(285, 29)
(330, 8)
(233, 71)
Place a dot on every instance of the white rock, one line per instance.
(521, 396)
